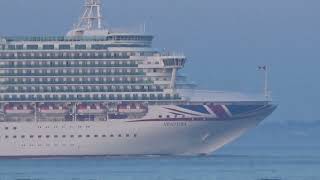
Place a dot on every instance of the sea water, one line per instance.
(216, 167)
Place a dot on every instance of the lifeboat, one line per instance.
(132, 108)
(53, 109)
(90, 109)
(18, 109)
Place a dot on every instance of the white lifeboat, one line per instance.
(18, 109)
(53, 109)
(90, 109)
(132, 108)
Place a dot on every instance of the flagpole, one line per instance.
(265, 70)
(266, 93)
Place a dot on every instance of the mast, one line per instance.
(266, 91)
(92, 16)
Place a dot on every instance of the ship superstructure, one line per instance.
(99, 92)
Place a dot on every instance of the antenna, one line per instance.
(92, 16)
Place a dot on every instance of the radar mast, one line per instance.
(91, 18)
(90, 23)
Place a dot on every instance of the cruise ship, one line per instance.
(100, 92)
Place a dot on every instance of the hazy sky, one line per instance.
(224, 40)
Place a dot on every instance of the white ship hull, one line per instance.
(124, 137)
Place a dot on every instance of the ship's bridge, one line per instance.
(173, 60)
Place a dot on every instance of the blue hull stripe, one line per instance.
(240, 109)
(196, 108)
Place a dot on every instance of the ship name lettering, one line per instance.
(175, 124)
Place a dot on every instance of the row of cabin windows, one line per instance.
(174, 116)
(68, 63)
(68, 136)
(77, 38)
(12, 89)
(71, 55)
(48, 145)
(73, 71)
(90, 97)
(79, 80)
(61, 47)
(47, 127)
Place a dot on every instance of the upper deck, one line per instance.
(75, 42)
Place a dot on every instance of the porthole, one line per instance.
(23, 136)
(104, 135)
(63, 136)
(55, 136)
(31, 136)
(6, 137)
(87, 136)
(79, 136)
(135, 135)
(96, 136)
(72, 136)
(6, 128)
(14, 137)
(47, 136)
(39, 136)
(127, 135)
(14, 128)
(111, 135)
(119, 135)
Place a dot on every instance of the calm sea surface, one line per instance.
(290, 163)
